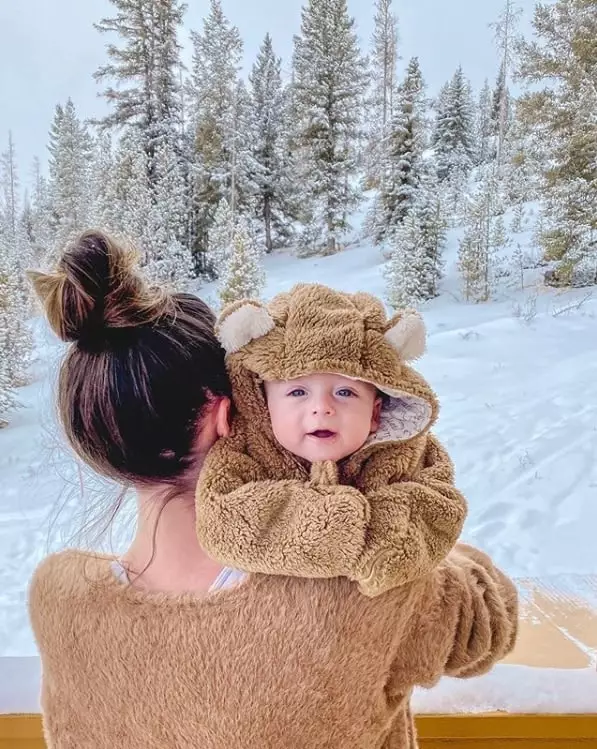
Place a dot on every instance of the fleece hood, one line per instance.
(315, 329)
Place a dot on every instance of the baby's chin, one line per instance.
(318, 454)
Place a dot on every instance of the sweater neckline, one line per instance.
(102, 572)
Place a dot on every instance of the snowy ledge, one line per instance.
(511, 689)
(514, 689)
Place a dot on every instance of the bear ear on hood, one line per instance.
(405, 332)
(241, 322)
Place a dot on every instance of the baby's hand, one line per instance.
(324, 473)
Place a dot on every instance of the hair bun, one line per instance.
(96, 289)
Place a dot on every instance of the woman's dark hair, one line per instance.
(142, 365)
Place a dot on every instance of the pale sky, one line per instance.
(49, 50)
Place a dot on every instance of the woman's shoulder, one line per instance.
(60, 581)
(67, 570)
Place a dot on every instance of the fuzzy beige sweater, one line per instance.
(275, 663)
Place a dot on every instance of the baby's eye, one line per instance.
(297, 392)
(345, 392)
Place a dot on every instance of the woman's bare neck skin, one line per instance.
(166, 547)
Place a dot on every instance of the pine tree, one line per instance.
(144, 69)
(16, 343)
(129, 204)
(328, 90)
(152, 218)
(216, 102)
(405, 275)
(518, 264)
(272, 172)
(169, 260)
(7, 394)
(102, 174)
(484, 127)
(559, 107)
(220, 238)
(383, 61)
(244, 276)
(403, 160)
(430, 213)
(41, 217)
(71, 152)
(453, 138)
(479, 257)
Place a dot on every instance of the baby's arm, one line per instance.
(321, 528)
(289, 527)
(414, 523)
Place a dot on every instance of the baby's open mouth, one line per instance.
(322, 434)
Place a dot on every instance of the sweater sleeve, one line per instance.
(464, 620)
(320, 528)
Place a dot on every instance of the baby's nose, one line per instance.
(323, 406)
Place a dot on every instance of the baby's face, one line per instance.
(322, 416)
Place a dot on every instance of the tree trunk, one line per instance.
(267, 218)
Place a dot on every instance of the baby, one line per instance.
(330, 469)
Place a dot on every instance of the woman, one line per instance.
(163, 648)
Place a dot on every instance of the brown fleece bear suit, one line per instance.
(382, 517)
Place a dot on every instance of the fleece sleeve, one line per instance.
(289, 527)
(321, 528)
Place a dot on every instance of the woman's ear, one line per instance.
(222, 416)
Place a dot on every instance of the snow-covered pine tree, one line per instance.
(170, 261)
(484, 150)
(7, 390)
(526, 163)
(454, 128)
(220, 238)
(144, 68)
(129, 201)
(272, 175)
(71, 152)
(383, 76)
(518, 266)
(560, 103)
(329, 83)
(7, 399)
(405, 272)
(430, 213)
(439, 106)
(101, 176)
(41, 217)
(402, 159)
(244, 276)
(480, 260)
(14, 260)
(217, 106)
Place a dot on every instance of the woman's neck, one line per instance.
(165, 554)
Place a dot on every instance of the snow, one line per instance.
(519, 418)
(514, 689)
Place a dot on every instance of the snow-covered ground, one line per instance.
(517, 380)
